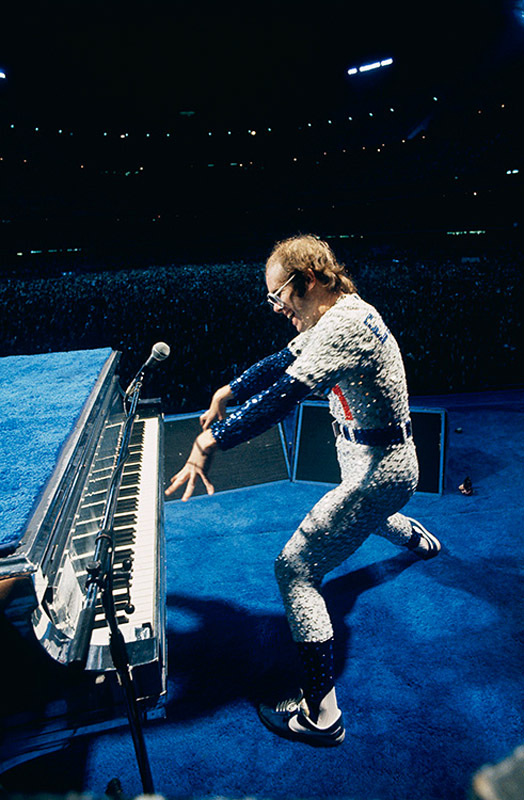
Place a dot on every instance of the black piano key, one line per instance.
(101, 622)
(127, 491)
(130, 479)
(127, 504)
(120, 582)
(126, 534)
(123, 553)
(124, 520)
(133, 466)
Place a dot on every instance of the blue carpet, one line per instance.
(429, 655)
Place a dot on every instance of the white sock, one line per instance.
(328, 710)
(328, 713)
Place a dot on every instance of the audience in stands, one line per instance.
(458, 322)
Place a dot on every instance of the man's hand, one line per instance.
(217, 408)
(195, 467)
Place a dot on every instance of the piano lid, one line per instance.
(42, 398)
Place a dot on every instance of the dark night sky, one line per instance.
(143, 62)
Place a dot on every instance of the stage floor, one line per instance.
(428, 654)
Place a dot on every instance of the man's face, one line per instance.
(301, 311)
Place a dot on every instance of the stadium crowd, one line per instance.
(458, 320)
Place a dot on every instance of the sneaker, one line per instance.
(290, 719)
(431, 546)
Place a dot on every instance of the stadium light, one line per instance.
(386, 62)
(368, 67)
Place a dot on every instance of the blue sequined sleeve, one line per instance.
(261, 375)
(260, 412)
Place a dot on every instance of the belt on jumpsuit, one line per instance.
(375, 437)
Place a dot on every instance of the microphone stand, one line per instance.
(100, 577)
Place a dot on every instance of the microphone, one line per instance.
(159, 352)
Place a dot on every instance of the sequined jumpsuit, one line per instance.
(351, 355)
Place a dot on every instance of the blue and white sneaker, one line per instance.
(423, 543)
(291, 720)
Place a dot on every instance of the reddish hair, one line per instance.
(300, 253)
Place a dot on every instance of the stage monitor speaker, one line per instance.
(261, 460)
(315, 457)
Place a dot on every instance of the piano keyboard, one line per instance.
(135, 524)
(43, 581)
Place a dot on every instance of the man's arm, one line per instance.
(254, 417)
(217, 407)
(261, 375)
(260, 412)
(253, 380)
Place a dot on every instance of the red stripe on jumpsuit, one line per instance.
(344, 403)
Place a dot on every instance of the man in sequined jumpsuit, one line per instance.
(344, 348)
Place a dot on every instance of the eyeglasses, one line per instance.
(273, 297)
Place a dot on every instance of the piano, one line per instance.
(44, 701)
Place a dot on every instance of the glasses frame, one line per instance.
(273, 297)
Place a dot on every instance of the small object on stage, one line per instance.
(466, 487)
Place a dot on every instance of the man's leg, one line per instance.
(375, 484)
(329, 534)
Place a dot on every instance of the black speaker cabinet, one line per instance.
(315, 458)
(261, 460)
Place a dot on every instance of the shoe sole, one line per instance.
(434, 544)
(305, 738)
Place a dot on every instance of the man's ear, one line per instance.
(310, 279)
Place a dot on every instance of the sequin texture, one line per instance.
(317, 665)
(351, 350)
(261, 375)
(376, 484)
(350, 354)
(258, 413)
